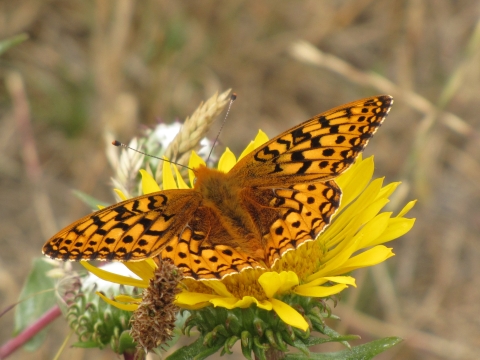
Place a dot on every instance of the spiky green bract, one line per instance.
(258, 330)
(98, 324)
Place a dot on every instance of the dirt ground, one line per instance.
(119, 65)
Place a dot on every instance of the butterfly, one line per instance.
(273, 200)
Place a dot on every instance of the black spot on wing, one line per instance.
(287, 143)
(324, 123)
(328, 152)
(306, 165)
(334, 129)
(297, 156)
(299, 136)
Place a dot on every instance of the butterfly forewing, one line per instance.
(131, 230)
(319, 149)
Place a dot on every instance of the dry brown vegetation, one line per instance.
(118, 65)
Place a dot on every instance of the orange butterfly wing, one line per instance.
(297, 214)
(278, 196)
(285, 190)
(206, 250)
(134, 229)
(318, 149)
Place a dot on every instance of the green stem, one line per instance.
(273, 354)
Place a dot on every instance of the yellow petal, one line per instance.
(149, 185)
(288, 279)
(127, 299)
(230, 302)
(396, 227)
(265, 305)
(372, 230)
(354, 180)
(115, 278)
(335, 262)
(193, 307)
(351, 173)
(191, 298)
(273, 282)
(348, 280)
(260, 139)
(388, 190)
(270, 282)
(140, 268)
(349, 234)
(194, 163)
(337, 242)
(181, 183)
(168, 181)
(245, 302)
(407, 208)
(352, 222)
(319, 291)
(127, 307)
(354, 210)
(370, 257)
(218, 287)
(316, 282)
(227, 161)
(120, 194)
(289, 315)
(151, 263)
(250, 147)
(370, 212)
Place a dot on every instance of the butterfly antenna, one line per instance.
(232, 99)
(118, 143)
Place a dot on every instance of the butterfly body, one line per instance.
(224, 200)
(273, 200)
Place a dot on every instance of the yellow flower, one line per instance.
(316, 269)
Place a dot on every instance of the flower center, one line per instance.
(304, 261)
(245, 284)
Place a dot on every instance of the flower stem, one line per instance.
(13, 344)
(273, 354)
(129, 356)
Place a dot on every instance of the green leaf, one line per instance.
(334, 335)
(361, 352)
(302, 347)
(36, 297)
(317, 341)
(11, 42)
(196, 350)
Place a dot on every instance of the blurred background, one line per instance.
(121, 65)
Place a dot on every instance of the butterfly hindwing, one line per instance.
(198, 252)
(290, 216)
(132, 230)
(319, 149)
